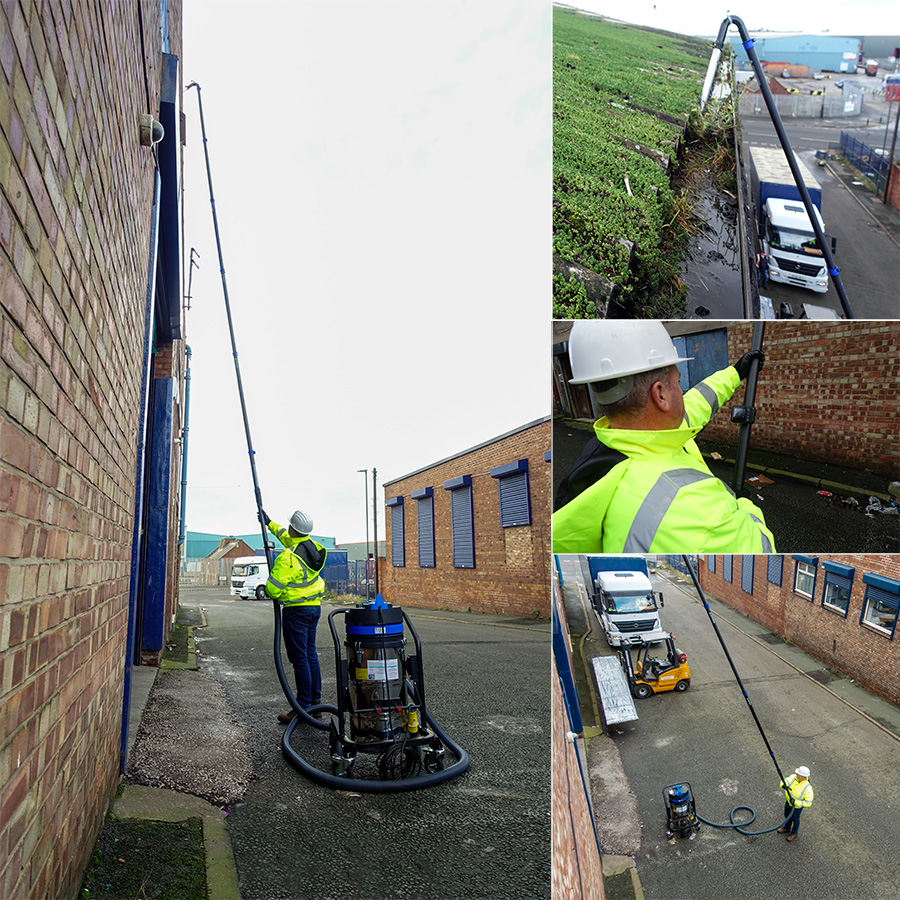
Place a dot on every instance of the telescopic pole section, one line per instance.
(833, 269)
(740, 461)
(375, 522)
(237, 368)
(712, 619)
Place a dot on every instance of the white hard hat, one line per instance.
(610, 350)
(301, 522)
(802, 771)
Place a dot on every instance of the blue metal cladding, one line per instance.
(398, 543)
(727, 563)
(425, 525)
(168, 281)
(709, 350)
(462, 524)
(774, 569)
(156, 569)
(512, 485)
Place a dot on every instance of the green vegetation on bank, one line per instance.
(622, 99)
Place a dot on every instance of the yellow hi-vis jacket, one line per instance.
(797, 793)
(292, 581)
(661, 497)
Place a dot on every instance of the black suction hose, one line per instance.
(738, 826)
(833, 269)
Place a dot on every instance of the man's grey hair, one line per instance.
(636, 399)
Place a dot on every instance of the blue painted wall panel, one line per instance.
(157, 538)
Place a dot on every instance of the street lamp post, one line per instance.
(366, 486)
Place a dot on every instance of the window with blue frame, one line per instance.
(880, 604)
(727, 564)
(425, 524)
(774, 569)
(462, 524)
(837, 587)
(398, 543)
(805, 575)
(711, 562)
(512, 484)
(747, 573)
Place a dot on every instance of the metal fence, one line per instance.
(865, 158)
(804, 106)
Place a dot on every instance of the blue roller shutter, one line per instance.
(425, 524)
(398, 546)
(774, 567)
(747, 573)
(727, 562)
(462, 523)
(512, 484)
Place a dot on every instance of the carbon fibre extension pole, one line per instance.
(832, 267)
(740, 460)
(715, 626)
(237, 368)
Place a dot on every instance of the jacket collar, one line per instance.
(639, 444)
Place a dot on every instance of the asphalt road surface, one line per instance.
(867, 252)
(846, 848)
(484, 834)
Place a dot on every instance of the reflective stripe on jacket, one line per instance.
(292, 581)
(798, 793)
(662, 497)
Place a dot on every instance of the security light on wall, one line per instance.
(152, 131)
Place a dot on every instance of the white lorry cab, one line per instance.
(628, 607)
(795, 256)
(249, 575)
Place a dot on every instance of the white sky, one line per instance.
(382, 177)
(703, 17)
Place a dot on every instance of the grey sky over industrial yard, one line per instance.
(382, 178)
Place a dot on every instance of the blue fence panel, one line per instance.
(864, 158)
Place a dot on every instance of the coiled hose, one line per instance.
(740, 826)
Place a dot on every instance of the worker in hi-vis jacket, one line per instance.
(296, 583)
(798, 793)
(641, 485)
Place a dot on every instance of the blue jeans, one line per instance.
(299, 625)
(794, 824)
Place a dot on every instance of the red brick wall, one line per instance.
(75, 194)
(828, 392)
(576, 868)
(863, 653)
(511, 574)
(893, 197)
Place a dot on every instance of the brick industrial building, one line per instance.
(91, 386)
(827, 391)
(472, 532)
(841, 609)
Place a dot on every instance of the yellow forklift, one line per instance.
(649, 675)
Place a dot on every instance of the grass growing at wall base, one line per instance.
(136, 858)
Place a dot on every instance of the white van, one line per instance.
(249, 575)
